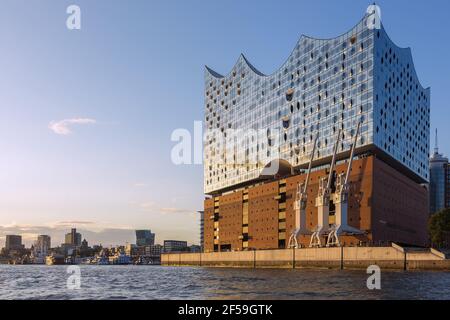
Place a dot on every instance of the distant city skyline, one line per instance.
(86, 116)
(107, 237)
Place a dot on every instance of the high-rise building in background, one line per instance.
(438, 180)
(43, 244)
(277, 153)
(447, 186)
(13, 242)
(145, 238)
(73, 238)
(41, 249)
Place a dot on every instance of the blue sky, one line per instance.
(136, 69)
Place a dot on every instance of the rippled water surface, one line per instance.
(153, 282)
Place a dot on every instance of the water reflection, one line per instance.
(150, 282)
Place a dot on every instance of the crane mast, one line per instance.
(340, 199)
(300, 204)
(323, 200)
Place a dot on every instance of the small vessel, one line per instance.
(102, 261)
(120, 259)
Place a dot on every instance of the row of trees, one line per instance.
(439, 228)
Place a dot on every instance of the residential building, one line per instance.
(13, 242)
(73, 238)
(41, 248)
(43, 243)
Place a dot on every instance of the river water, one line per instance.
(155, 282)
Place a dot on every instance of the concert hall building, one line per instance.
(278, 148)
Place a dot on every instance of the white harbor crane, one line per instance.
(300, 204)
(340, 200)
(323, 201)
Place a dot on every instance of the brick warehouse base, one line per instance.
(385, 204)
(328, 258)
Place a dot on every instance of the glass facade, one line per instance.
(438, 177)
(145, 238)
(401, 107)
(252, 119)
(447, 186)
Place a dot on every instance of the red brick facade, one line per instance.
(387, 205)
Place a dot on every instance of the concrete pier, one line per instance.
(395, 257)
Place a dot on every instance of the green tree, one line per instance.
(439, 225)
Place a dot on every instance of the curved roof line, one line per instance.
(241, 57)
(256, 71)
(252, 67)
(213, 73)
(409, 51)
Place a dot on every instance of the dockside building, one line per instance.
(331, 149)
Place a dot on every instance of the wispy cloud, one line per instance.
(175, 210)
(73, 223)
(140, 185)
(148, 205)
(62, 127)
(151, 206)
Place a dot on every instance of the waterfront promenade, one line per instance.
(394, 257)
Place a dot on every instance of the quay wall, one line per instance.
(330, 258)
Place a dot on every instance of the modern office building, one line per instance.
(13, 242)
(175, 246)
(438, 180)
(278, 147)
(73, 238)
(154, 250)
(145, 238)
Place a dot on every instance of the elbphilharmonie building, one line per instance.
(353, 97)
